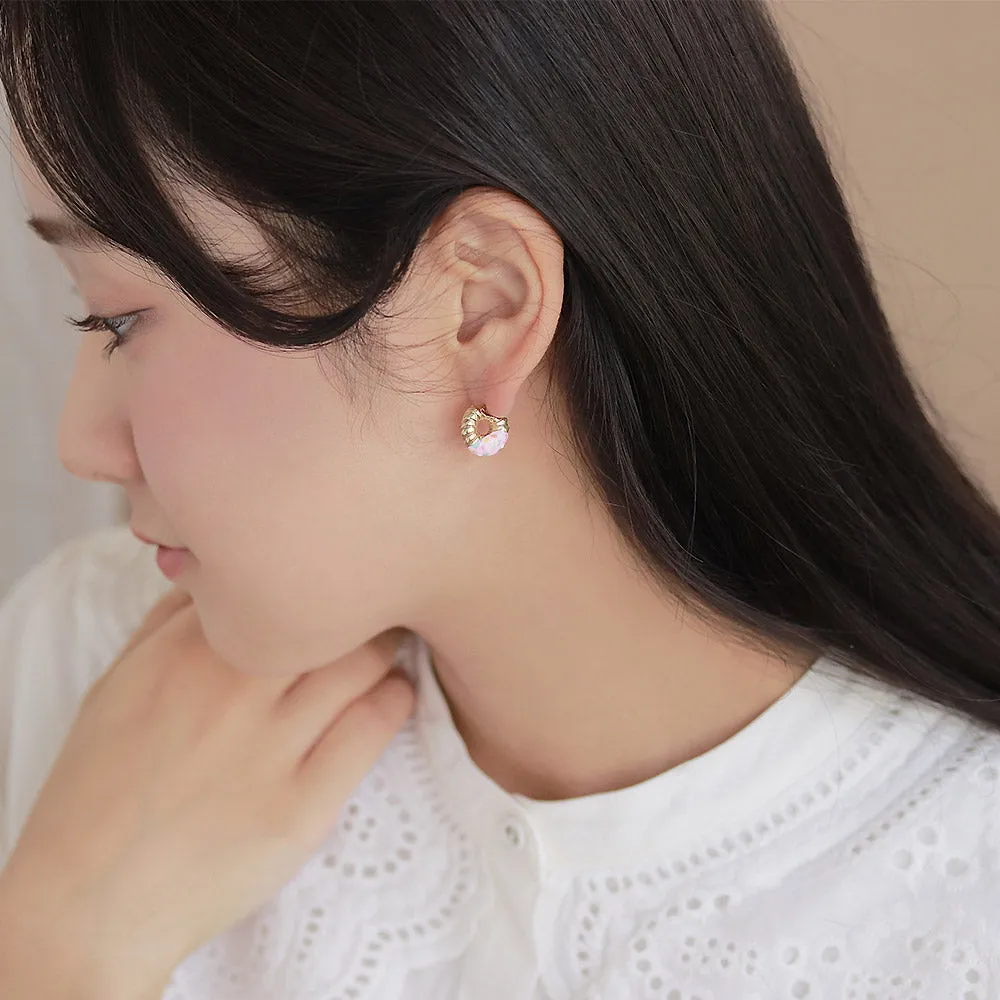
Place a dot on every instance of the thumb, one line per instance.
(159, 614)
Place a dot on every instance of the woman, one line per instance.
(704, 652)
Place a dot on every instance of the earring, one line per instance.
(485, 444)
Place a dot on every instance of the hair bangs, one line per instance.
(117, 158)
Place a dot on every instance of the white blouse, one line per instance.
(842, 846)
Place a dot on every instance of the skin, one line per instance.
(319, 517)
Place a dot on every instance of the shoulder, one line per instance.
(61, 625)
(914, 884)
(878, 878)
(925, 867)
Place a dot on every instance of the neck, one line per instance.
(575, 673)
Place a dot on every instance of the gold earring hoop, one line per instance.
(484, 444)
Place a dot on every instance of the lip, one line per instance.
(171, 562)
(151, 541)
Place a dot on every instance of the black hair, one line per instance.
(732, 386)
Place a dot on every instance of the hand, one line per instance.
(187, 793)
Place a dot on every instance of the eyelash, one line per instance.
(104, 324)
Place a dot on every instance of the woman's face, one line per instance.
(311, 514)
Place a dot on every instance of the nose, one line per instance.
(94, 437)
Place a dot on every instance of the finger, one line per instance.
(390, 641)
(158, 615)
(346, 752)
(317, 698)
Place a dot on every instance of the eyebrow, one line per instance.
(63, 232)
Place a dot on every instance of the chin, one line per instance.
(257, 644)
(246, 650)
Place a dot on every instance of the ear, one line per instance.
(502, 265)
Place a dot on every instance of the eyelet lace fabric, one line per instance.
(892, 907)
(873, 875)
(396, 887)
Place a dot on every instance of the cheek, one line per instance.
(257, 468)
(200, 442)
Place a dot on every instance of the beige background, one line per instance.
(909, 93)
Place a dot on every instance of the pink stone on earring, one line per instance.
(485, 444)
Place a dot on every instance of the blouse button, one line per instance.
(513, 830)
